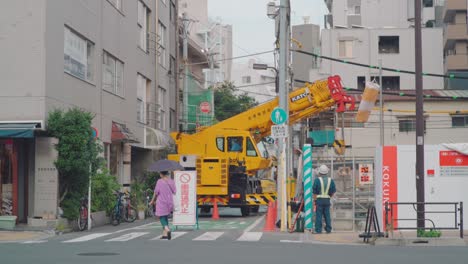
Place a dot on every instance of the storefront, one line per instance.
(16, 160)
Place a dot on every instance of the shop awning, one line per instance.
(120, 133)
(17, 130)
(157, 139)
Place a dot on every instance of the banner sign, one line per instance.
(453, 163)
(186, 198)
(390, 182)
(366, 174)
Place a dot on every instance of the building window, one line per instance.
(142, 84)
(78, 54)
(460, 121)
(346, 48)
(162, 44)
(408, 124)
(112, 74)
(172, 119)
(172, 65)
(246, 79)
(357, 10)
(391, 83)
(172, 13)
(162, 108)
(361, 82)
(428, 3)
(142, 24)
(389, 44)
(117, 4)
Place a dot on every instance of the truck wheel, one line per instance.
(245, 210)
(205, 210)
(254, 209)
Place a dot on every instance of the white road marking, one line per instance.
(252, 226)
(87, 237)
(231, 223)
(242, 223)
(209, 236)
(174, 235)
(133, 228)
(291, 241)
(34, 241)
(127, 237)
(250, 236)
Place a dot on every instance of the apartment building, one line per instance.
(456, 43)
(99, 56)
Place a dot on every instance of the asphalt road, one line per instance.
(223, 241)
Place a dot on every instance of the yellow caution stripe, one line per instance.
(260, 198)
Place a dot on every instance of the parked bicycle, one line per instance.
(149, 210)
(83, 216)
(123, 209)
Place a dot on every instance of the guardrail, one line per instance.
(457, 212)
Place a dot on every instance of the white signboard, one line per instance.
(45, 179)
(366, 174)
(279, 131)
(186, 197)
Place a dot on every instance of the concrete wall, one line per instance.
(438, 127)
(22, 52)
(309, 37)
(365, 50)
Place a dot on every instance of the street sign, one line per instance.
(279, 131)
(205, 107)
(278, 116)
(366, 174)
(186, 197)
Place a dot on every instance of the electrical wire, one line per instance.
(232, 58)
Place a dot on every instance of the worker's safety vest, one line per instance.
(323, 190)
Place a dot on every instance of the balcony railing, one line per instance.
(450, 8)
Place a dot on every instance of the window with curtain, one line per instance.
(112, 74)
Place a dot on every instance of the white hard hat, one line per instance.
(323, 169)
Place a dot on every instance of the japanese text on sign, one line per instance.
(186, 194)
(279, 131)
(366, 172)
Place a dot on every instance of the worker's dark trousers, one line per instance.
(322, 211)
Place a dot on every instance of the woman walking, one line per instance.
(163, 193)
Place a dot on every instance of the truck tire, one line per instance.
(245, 210)
(254, 209)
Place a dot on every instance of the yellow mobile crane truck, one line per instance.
(227, 156)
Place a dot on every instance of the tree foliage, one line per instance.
(76, 152)
(228, 103)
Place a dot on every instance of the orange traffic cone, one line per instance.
(270, 220)
(215, 215)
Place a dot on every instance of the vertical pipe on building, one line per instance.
(185, 22)
(381, 105)
(419, 117)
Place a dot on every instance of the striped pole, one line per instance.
(307, 169)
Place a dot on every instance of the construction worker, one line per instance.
(323, 189)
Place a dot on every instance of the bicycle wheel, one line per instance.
(115, 218)
(130, 214)
(83, 218)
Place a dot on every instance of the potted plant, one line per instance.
(141, 211)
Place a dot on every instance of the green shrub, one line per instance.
(429, 233)
(103, 186)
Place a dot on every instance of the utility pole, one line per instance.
(382, 142)
(186, 23)
(283, 103)
(419, 118)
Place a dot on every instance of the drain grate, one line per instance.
(421, 242)
(97, 254)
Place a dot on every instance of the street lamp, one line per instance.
(262, 66)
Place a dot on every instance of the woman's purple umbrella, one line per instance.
(165, 165)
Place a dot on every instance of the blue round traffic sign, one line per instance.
(278, 116)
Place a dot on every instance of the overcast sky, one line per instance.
(253, 31)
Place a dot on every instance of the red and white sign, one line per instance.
(452, 158)
(205, 107)
(390, 182)
(366, 174)
(186, 197)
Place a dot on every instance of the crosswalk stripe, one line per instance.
(34, 241)
(174, 235)
(87, 237)
(127, 237)
(250, 236)
(209, 236)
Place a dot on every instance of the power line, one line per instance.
(233, 58)
(450, 76)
